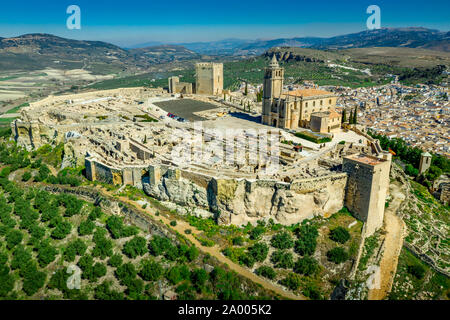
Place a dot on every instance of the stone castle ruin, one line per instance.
(121, 138)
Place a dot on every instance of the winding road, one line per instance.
(214, 251)
(395, 233)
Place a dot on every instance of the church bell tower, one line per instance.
(272, 88)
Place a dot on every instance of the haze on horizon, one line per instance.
(127, 23)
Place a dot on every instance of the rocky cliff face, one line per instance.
(241, 201)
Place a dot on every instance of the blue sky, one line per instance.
(129, 22)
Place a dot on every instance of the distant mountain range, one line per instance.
(385, 37)
(40, 51)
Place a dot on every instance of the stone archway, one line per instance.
(274, 122)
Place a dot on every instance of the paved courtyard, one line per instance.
(185, 108)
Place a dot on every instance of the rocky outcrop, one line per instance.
(239, 201)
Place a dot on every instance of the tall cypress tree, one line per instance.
(344, 116)
(350, 120)
(355, 120)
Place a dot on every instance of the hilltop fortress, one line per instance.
(123, 137)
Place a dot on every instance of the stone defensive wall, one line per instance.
(81, 97)
(230, 200)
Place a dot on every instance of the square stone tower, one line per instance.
(209, 78)
(425, 162)
(173, 82)
(367, 187)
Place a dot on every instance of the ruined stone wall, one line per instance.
(445, 194)
(141, 151)
(97, 171)
(239, 201)
(32, 135)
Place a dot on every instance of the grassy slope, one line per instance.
(16, 195)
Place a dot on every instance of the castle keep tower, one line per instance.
(272, 88)
(367, 187)
(209, 78)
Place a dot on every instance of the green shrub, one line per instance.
(172, 253)
(416, 270)
(259, 251)
(46, 253)
(98, 271)
(205, 242)
(173, 223)
(158, 245)
(115, 260)
(62, 229)
(26, 176)
(238, 241)
(86, 227)
(20, 257)
(103, 246)
(307, 240)
(192, 253)
(306, 266)
(340, 235)
(150, 270)
(135, 247)
(33, 279)
(337, 255)
(282, 259)
(266, 272)
(292, 281)
(256, 232)
(74, 248)
(282, 240)
(233, 254)
(13, 238)
(312, 291)
(103, 292)
(117, 229)
(312, 137)
(198, 278)
(174, 275)
(126, 273)
(411, 171)
(247, 259)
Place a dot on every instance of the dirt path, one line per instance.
(215, 251)
(395, 232)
